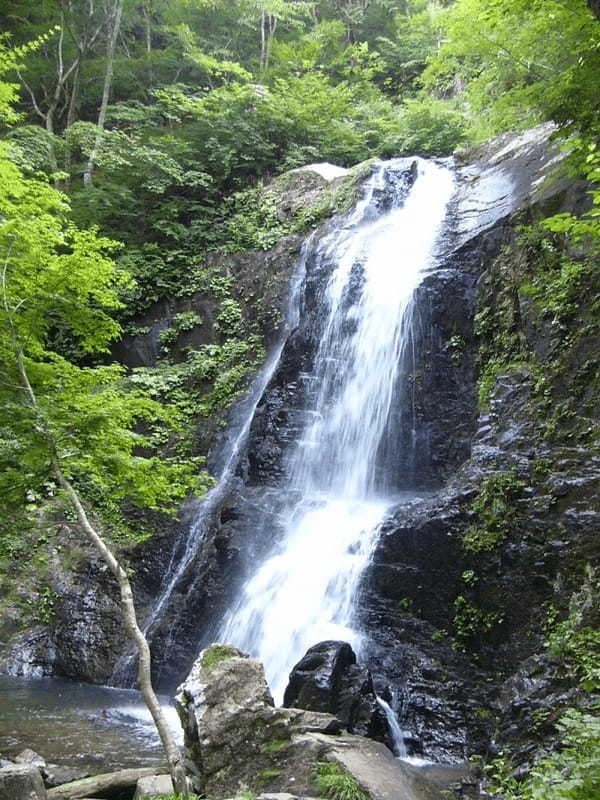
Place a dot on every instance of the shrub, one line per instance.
(334, 782)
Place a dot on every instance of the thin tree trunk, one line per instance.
(148, 31)
(272, 27)
(174, 757)
(263, 40)
(108, 76)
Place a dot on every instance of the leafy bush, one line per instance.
(494, 512)
(575, 640)
(427, 126)
(571, 773)
(470, 621)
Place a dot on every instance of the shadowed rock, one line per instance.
(328, 679)
(21, 782)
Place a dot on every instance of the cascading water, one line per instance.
(396, 732)
(339, 467)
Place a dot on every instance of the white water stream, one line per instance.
(305, 591)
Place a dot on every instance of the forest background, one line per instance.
(138, 136)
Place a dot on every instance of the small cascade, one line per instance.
(340, 472)
(396, 731)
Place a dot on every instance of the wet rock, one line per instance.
(328, 679)
(236, 740)
(21, 782)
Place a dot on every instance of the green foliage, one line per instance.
(173, 797)
(45, 605)
(405, 604)
(471, 621)
(268, 774)
(523, 62)
(276, 746)
(494, 511)
(217, 653)
(60, 290)
(185, 321)
(456, 346)
(334, 782)
(428, 126)
(575, 640)
(570, 773)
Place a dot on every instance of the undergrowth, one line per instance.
(337, 784)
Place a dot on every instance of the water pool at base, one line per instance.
(77, 724)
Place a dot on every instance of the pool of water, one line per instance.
(95, 727)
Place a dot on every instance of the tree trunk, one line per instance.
(123, 779)
(263, 40)
(174, 757)
(108, 76)
(272, 20)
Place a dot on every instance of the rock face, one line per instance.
(21, 782)
(328, 679)
(236, 740)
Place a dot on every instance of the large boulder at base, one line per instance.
(236, 740)
(328, 679)
(21, 782)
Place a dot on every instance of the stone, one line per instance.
(21, 782)
(29, 756)
(328, 679)
(236, 740)
(56, 774)
(153, 786)
(316, 679)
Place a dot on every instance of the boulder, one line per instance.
(21, 782)
(30, 757)
(328, 679)
(153, 785)
(236, 740)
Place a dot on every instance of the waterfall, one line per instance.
(339, 472)
(396, 731)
